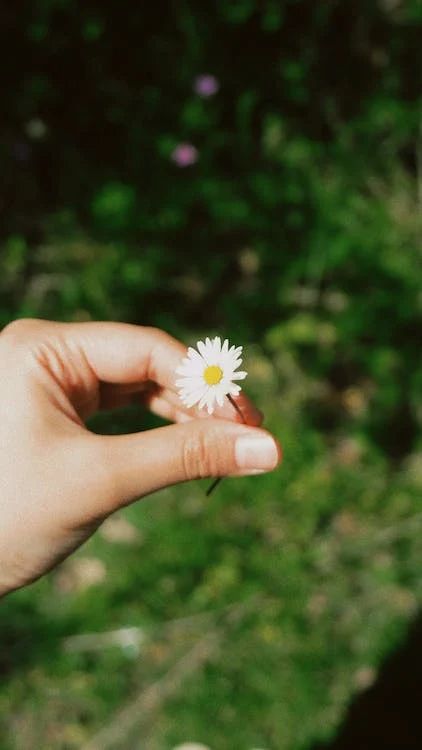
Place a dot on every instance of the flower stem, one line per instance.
(217, 481)
(236, 407)
(213, 486)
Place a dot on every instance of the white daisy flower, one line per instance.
(208, 374)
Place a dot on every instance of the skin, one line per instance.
(58, 480)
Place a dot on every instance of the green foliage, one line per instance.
(296, 233)
(113, 207)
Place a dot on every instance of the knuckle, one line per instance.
(206, 453)
(196, 456)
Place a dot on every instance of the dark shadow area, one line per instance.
(388, 715)
(27, 635)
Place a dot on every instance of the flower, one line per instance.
(184, 155)
(206, 85)
(208, 374)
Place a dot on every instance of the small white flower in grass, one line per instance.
(208, 374)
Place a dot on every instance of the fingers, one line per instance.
(137, 465)
(125, 353)
(166, 403)
(122, 357)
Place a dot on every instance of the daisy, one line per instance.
(208, 374)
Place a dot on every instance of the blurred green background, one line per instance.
(250, 619)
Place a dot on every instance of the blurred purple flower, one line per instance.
(184, 155)
(206, 85)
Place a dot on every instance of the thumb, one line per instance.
(137, 465)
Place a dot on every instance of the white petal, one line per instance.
(217, 346)
(225, 386)
(191, 367)
(192, 400)
(205, 351)
(219, 397)
(219, 390)
(185, 379)
(193, 376)
(200, 345)
(221, 387)
(227, 358)
(189, 395)
(184, 365)
(192, 385)
(211, 400)
(194, 355)
(203, 400)
(195, 394)
(241, 375)
(187, 392)
(193, 373)
(189, 382)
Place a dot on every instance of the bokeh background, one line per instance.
(249, 168)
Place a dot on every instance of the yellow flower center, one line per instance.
(213, 374)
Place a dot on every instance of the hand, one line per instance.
(58, 480)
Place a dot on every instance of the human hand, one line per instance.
(58, 480)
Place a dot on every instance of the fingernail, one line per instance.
(256, 453)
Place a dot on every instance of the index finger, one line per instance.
(125, 354)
